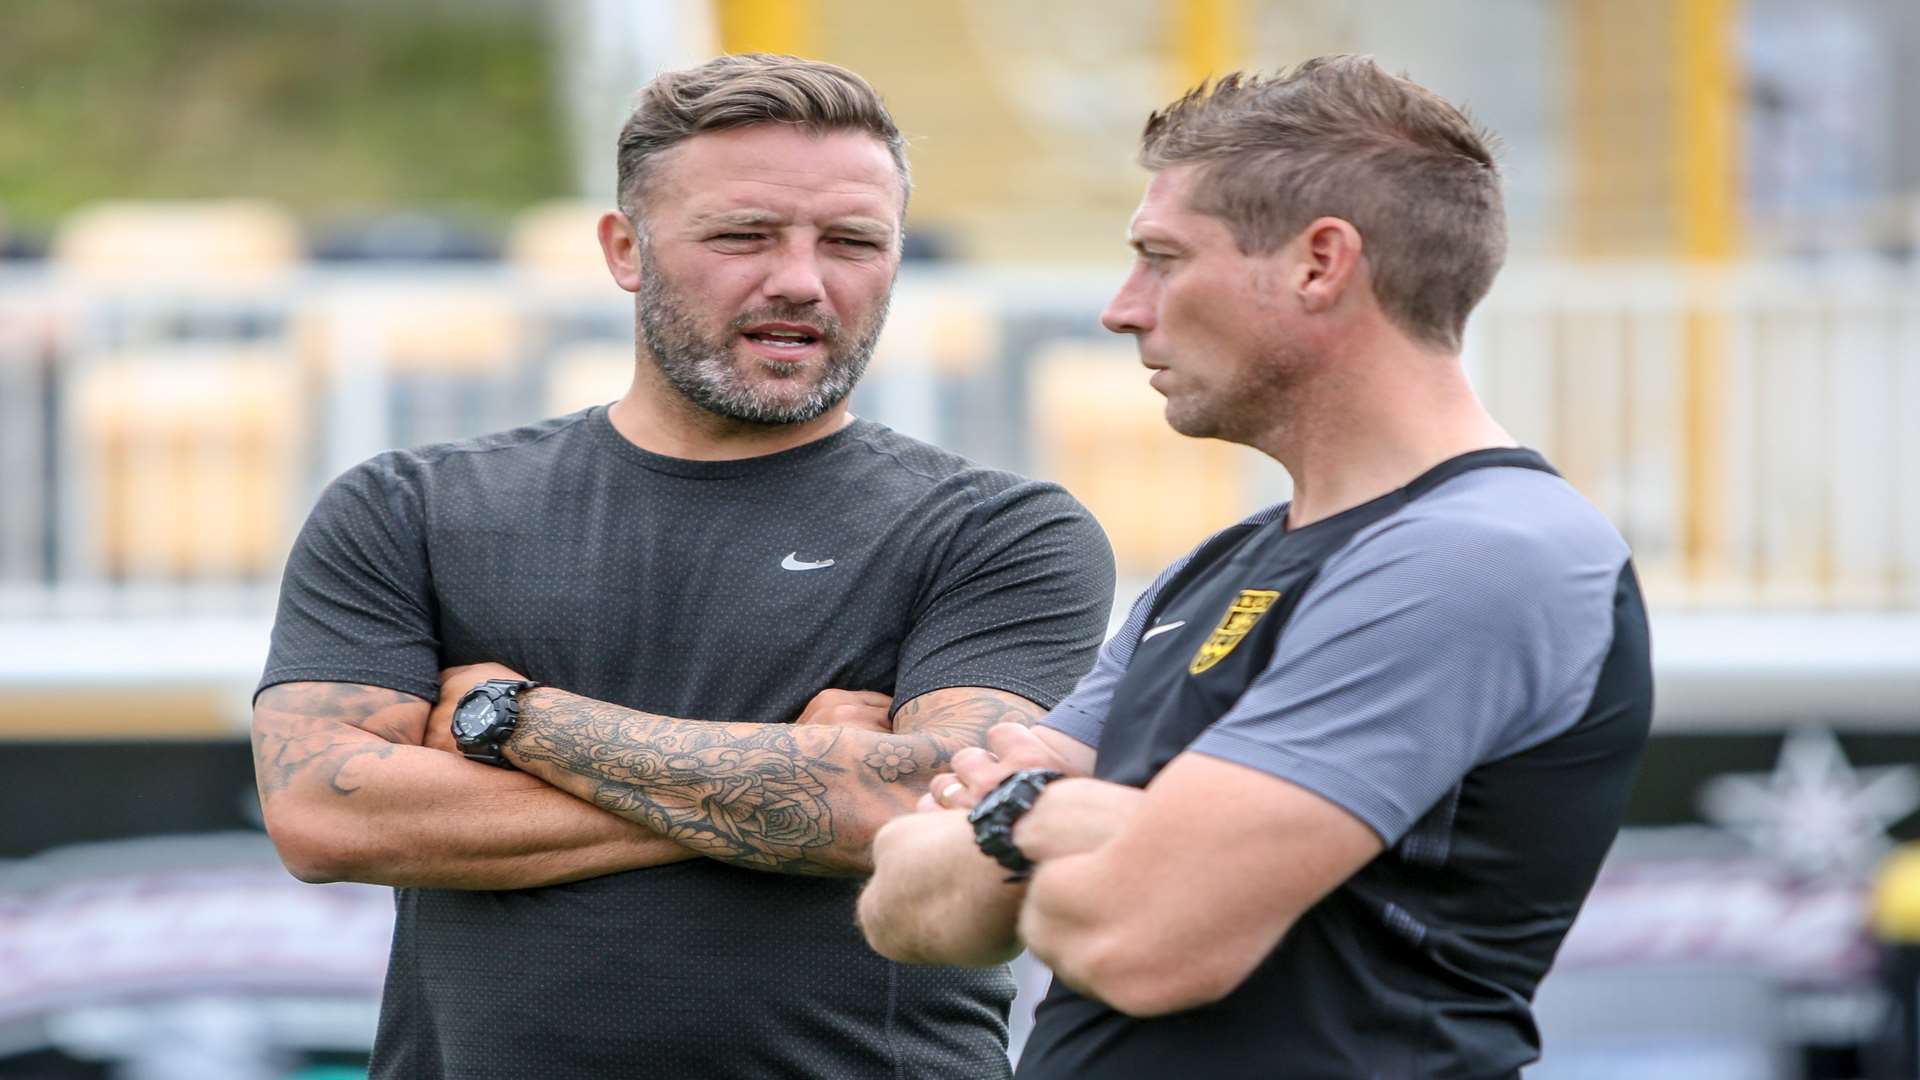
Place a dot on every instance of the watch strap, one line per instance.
(489, 746)
(995, 815)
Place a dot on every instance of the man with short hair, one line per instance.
(1331, 797)
(625, 610)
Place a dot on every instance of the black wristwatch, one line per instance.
(993, 817)
(485, 719)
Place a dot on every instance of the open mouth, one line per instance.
(783, 338)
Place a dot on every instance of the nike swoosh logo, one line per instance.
(1163, 628)
(792, 562)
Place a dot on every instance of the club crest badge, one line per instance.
(1246, 610)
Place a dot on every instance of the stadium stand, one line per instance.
(187, 459)
(1104, 438)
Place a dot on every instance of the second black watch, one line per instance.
(994, 815)
(485, 718)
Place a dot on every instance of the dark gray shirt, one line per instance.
(710, 590)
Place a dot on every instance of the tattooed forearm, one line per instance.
(744, 793)
(947, 721)
(349, 791)
(315, 728)
(278, 760)
(893, 760)
(794, 799)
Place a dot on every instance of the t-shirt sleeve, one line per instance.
(356, 600)
(1021, 601)
(1083, 715)
(1418, 653)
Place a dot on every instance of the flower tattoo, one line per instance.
(892, 761)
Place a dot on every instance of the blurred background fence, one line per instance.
(1750, 430)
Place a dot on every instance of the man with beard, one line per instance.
(646, 865)
(1334, 792)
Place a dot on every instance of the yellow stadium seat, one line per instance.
(190, 458)
(1099, 430)
(555, 243)
(454, 329)
(588, 374)
(173, 245)
(948, 332)
(448, 358)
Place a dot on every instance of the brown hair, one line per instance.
(740, 91)
(1338, 137)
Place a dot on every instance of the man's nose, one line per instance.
(795, 275)
(1130, 311)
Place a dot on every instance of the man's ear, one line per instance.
(620, 245)
(1329, 252)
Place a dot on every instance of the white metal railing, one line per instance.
(1753, 432)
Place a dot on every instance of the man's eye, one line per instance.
(740, 236)
(849, 241)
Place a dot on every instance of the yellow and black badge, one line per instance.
(1246, 610)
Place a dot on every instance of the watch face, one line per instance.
(473, 717)
(990, 805)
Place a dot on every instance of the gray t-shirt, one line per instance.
(710, 590)
(1462, 664)
(1454, 614)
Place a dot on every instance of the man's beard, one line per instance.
(1258, 401)
(707, 371)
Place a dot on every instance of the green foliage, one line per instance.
(325, 105)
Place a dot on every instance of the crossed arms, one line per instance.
(1152, 900)
(359, 783)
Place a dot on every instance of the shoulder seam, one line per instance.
(448, 450)
(1416, 506)
(970, 472)
(867, 443)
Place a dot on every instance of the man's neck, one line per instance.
(1377, 430)
(657, 418)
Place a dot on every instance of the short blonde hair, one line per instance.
(1338, 137)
